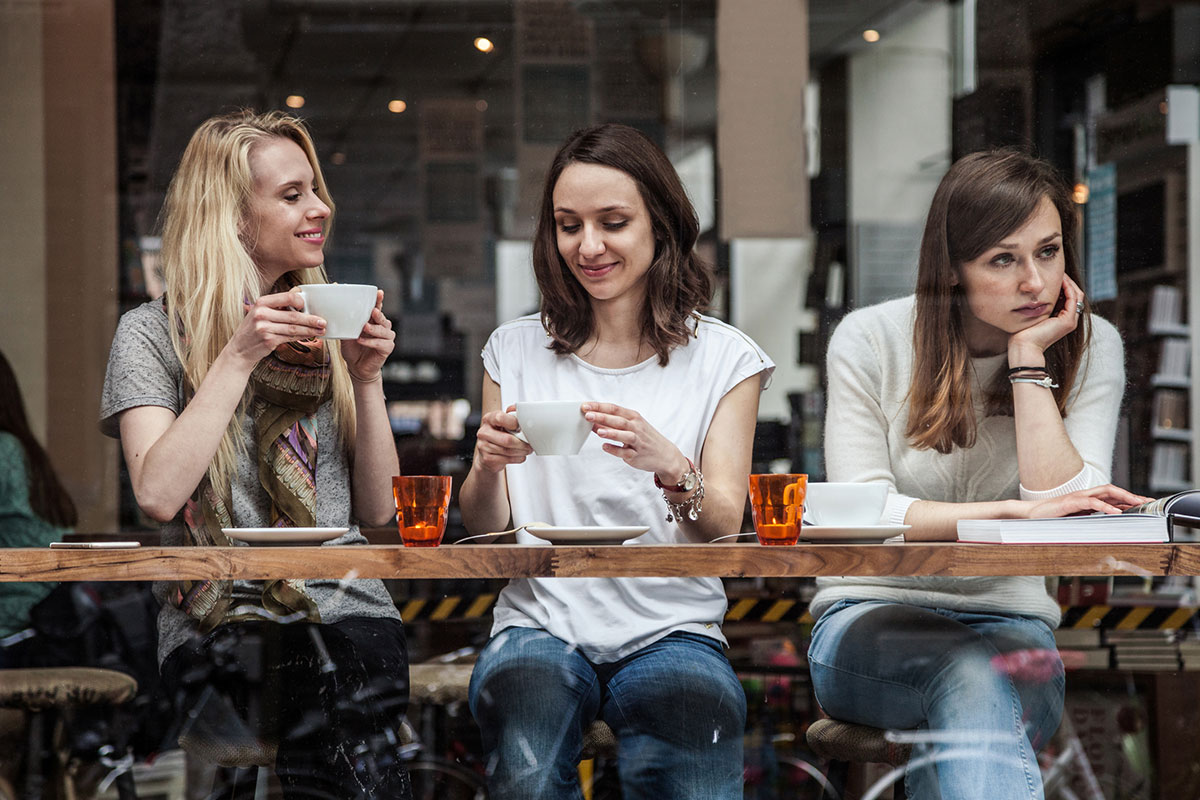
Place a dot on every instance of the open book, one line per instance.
(1150, 522)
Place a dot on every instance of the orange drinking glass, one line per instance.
(421, 504)
(777, 501)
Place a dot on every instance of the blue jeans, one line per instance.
(940, 671)
(675, 706)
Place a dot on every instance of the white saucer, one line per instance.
(283, 535)
(589, 534)
(863, 533)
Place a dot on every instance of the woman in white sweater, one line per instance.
(993, 392)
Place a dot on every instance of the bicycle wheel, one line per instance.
(434, 779)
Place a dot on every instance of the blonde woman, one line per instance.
(232, 412)
(992, 393)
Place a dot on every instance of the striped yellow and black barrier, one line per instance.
(467, 608)
(1130, 618)
(456, 608)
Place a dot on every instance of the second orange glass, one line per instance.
(421, 505)
(777, 503)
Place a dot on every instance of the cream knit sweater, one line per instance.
(869, 366)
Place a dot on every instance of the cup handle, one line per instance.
(303, 300)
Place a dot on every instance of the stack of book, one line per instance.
(1093, 529)
(1166, 311)
(1189, 651)
(1174, 364)
(1144, 650)
(1081, 648)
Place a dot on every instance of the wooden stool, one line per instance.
(844, 743)
(44, 694)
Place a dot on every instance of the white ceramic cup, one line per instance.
(345, 307)
(844, 505)
(553, 427)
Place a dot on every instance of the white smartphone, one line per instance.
(93, 545)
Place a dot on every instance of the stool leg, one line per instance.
(38, 755)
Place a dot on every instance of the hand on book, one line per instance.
(1106, 499)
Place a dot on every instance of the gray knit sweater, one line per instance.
(869, 366)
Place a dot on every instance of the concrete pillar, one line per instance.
(59, 284)
(763, 208)
(762, 69)
(900, 132)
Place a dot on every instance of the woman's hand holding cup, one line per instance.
(496, 443)
(270, 321)
(366, 355)
(635, 441)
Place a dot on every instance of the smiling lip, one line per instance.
(1033, 310)
(314, 236)
(597, 270)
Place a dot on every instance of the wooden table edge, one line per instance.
(524, 561)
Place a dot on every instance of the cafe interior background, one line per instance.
(810, 134)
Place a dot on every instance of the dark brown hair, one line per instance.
(679, 282)
(47, 497)
(983, 198)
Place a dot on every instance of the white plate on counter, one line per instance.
(587, 534)
(283, 536)
(863, 533)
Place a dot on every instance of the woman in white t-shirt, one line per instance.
(672, 397)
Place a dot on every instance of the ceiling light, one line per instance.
(871, 35)
(484, 45)
(338, 158)
(397, 106)
(295, 101)
(481, 105)
(1080, 193)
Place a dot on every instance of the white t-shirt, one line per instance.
(609, 618)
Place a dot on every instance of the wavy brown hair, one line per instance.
(679, 282)
(47, 497)
(983, 198)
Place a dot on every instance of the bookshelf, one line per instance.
(1170, 427)
(1154, 270)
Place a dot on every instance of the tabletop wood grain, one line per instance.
(517, 561)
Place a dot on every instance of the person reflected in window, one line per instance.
(233, 412)
(991, 393)
(35, 510)
(672, 398)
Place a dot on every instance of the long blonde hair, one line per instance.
(207, 266)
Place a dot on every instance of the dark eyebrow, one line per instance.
(1046, 240)
(605, 210)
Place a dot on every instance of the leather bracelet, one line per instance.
(1016, 370)
(684, 485)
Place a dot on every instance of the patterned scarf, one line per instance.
(287, 388)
